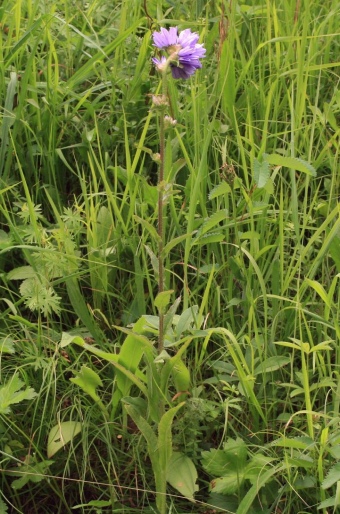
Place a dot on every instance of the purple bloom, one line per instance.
(160, 63)
(165, 37)
(182, 50)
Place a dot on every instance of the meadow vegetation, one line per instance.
(241, 411)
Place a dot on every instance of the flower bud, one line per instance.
(159, 101)
(169, 122)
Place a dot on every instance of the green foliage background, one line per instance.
(260, 259)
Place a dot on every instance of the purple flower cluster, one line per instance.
(182, 49)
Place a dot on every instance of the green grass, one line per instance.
(78, 212)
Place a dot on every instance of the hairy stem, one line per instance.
(161, 230)
(161, 211)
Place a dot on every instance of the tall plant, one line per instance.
(182, 57)
(154, 417)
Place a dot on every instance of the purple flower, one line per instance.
(183, 51)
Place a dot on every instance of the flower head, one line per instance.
(183, 51)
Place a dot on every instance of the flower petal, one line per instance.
(187, 38)
(165, 37)
(185, 71)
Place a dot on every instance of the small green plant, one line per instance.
(240, 475)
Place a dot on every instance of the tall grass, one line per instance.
(259, 258)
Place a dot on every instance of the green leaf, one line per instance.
(39, 296)
(80, 308)
(332, 477)
(146, 430)
(62, 434)
(163, 299)
(335, 451)
(67, 339)
(12, 393)
(272, 364)
(219, 190)
(88, 380)
(7, 345)
(261, 172)
(301, 443)
(169, 316)
(213, 237)
(21, 273)
(226, 83)
(30, 471)
(5, 241)
(334, 251)
(320, 291)
(186, 319)
(131, 354)
(174, 242)
(94, 503)
(230, 483)
(288, 345)
(153, 451)
(252, 235)
(232, 459)
(334, 501)
(182, 475)
(290, 162)
(212, 221)
(330, 502)
(147, 226)
(165, 437)
(181, 376)
(134, 377)
(252, 493)
(138, 403)
(154, 261)
(301, 461)
(3, 507)
(257, 465)
(7, 118)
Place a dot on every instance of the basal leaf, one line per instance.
(230, 483)
(62, 434)
(229, 460)
(182, 475)
(236, 451)
(165, 436)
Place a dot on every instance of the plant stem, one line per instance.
(161, 216)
